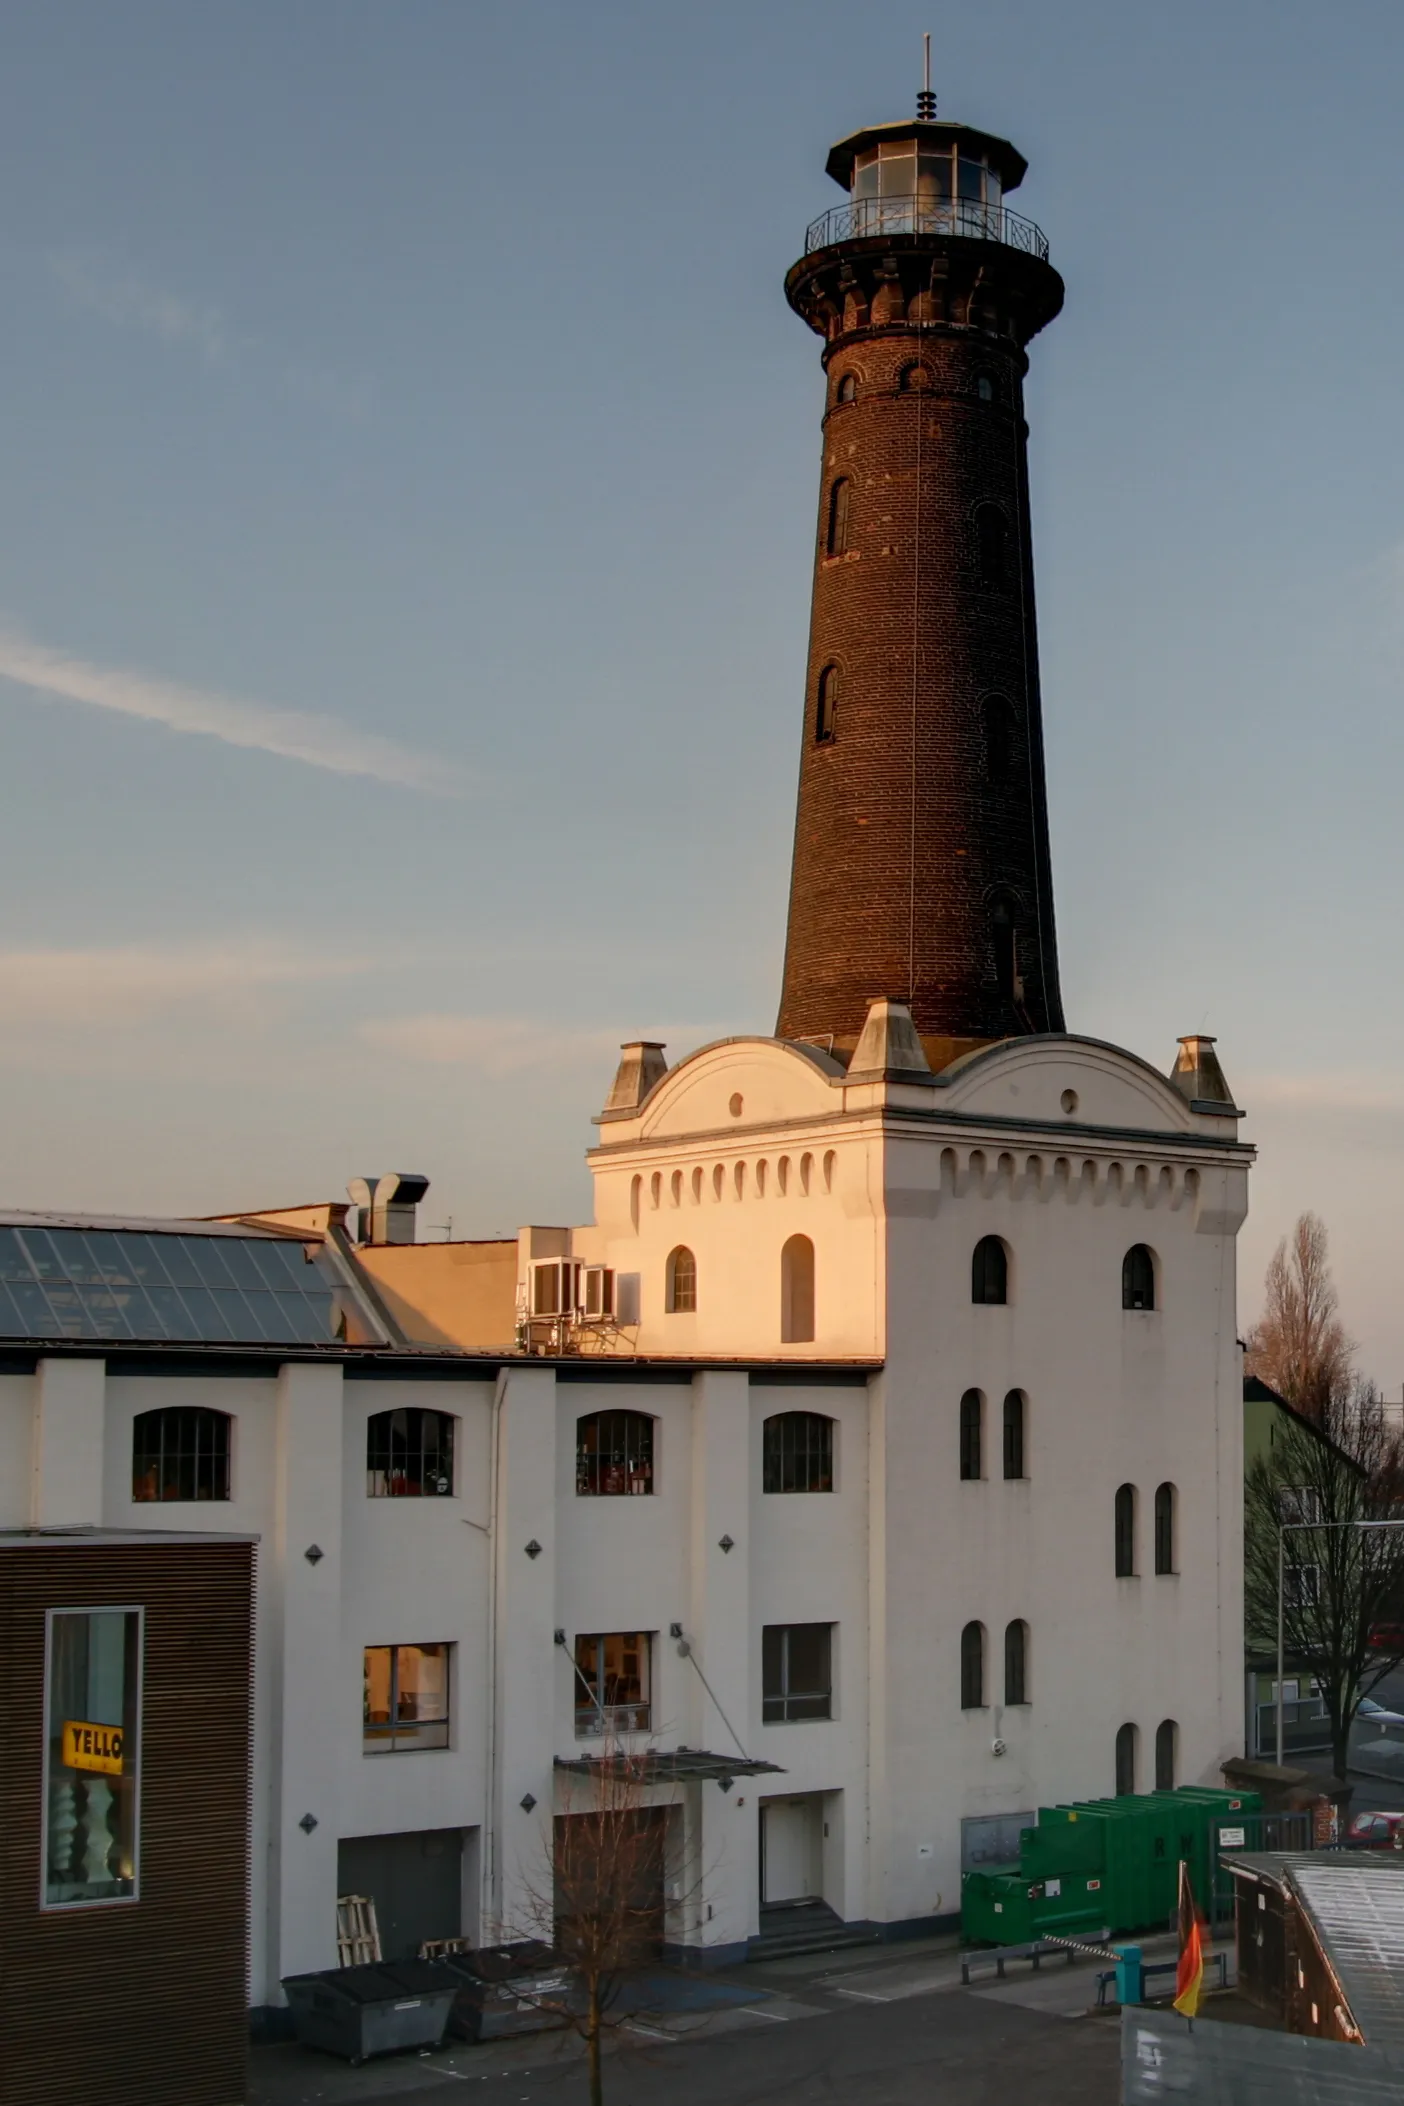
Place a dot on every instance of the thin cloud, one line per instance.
(318, 741)
(124, 984)
(508, 1045)
(121, 297)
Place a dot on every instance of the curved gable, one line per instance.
(1025, 1078)
(774, 1080)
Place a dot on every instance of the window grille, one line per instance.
(613, 1454)
(798, 1451)
(180, 1452)
(409, 1454)
(682, 1281)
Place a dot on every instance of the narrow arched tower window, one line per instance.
(1124, 1531)
(848, 388)
(972, 1414)
(989, 1271)
(992, 544)
(1014, 1434)
(681, 1295)
(836, 538)
(1138, 1278)
(1126, 1752)
(797, 1291)
(1165, 1528)
(826, 706)
(972, 1667)
(1016, 1662)
(1167, 1735)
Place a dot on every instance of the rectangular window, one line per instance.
(92, 1755)
(612, 1682)
(405, 1698)
(796, 1671)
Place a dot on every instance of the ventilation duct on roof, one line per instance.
(386, 1206)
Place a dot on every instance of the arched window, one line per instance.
(797, 1291)
(914, 380)
(992, 544)
(848, 388)
(180, 1452)
(409, 1454)
(681, 1293)
(635, 1200)
(1016, 1662)
(1167, 1737)
(1138, 1278)
(1014, 1434)
(989, 1271)
(985, 387)
(1165, 1528)
(613, 1454)
(1126, 1753)
(798, 1452)
(999, 740)
(826, 706)
(836, 537)
(1004, 935)
(1125, 1529)
(972, 1667)
(972, 1414)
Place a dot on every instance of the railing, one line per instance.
(875, 216)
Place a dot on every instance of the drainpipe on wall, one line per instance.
(490, 1871)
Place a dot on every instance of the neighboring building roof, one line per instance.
(93, 1278)
(1355, 1904)
(1256, 1391)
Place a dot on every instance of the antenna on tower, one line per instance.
(926, 101)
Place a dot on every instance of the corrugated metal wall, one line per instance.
(138, 2003)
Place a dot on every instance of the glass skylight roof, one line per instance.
(128, 1284)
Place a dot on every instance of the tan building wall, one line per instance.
(456, 1294)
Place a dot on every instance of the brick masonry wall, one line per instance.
(904, 844)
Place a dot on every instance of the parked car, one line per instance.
(1376, 1831)
(1373, 1714)
(1387, 1637)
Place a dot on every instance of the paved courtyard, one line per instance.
(878, 2027)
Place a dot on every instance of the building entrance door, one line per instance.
(791, 1850)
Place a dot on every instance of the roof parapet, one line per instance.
(889, 1048)
(1199, 1078)
(640, 1068)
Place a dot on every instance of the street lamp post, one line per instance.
(1284, 1528)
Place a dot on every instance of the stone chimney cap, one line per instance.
(889, 1047)
(641, 1066)
(1199, 1078)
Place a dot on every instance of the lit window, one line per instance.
(92, 1751)
(409, 1454)
(614, 1454)
(681, 1285)
(1016, 1663)
(1014, 1434)
(796, 1672)
(989, 1271)
(848, 388)
(797, 1291)
(180, 1452)
(972, 1413)
(798, 1453)
(826, 706)
(1125, 1531)
(1138, 1278)
(405, 1698)
(836, 538)
(612, 1683)
(972, 1667)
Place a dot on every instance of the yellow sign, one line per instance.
(87, 1747)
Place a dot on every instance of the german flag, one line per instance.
(1189, 1975)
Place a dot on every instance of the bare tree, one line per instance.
(596, 1896)
(1342, 1584)
(1299, 1346)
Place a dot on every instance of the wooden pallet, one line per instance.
(357, 1932)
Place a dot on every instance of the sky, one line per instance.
(409, 478)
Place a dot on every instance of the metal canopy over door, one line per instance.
(792, 1834)
(415, 1881)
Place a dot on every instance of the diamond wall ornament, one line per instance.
(724, 1544)
(528, 1801)
(533, 1549)
(307, 1823)
(314, 1553)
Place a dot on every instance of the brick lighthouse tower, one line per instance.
(921, 865)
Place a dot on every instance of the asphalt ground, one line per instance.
(877, 2027)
